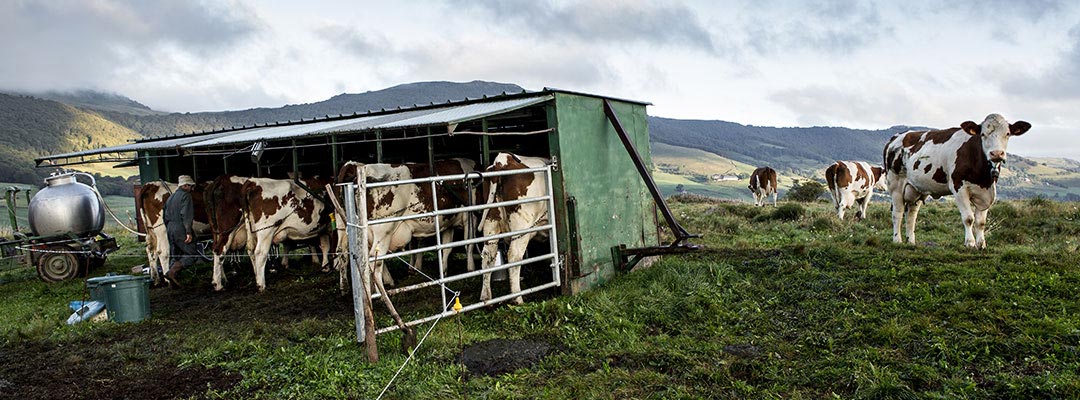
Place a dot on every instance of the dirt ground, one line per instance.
(139, 361)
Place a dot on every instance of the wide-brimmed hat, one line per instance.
(186, 180)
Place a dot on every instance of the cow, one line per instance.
(152, 198)
(276, 210)
(401, 200)
(763, 184)
(225, 208)
(963, 162)
(500, 220)
(853, 182)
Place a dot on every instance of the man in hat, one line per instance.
(179, 215)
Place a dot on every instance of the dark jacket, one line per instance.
(179, 209)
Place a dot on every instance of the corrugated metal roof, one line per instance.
(131, 147)
(419, 116)
(404, 119)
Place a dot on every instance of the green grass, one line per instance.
(784, 303)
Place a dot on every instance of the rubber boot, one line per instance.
(171, 275)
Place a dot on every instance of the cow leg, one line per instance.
(163, 249)
(841, 205)
(219, 273)
(259, 256)
(774, 193)
(487, 260)
(409, 341)
(152, 257)
(864, 203)
(514, 254)
(967, 215)
(896, 190)
(324, 245)
(447, 237)
(910, 215)
(980, 228)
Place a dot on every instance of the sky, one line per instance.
(858, 64)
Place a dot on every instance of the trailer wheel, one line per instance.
(56, 267)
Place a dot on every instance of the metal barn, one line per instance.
(607, 209)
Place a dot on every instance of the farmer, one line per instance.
(179, 214)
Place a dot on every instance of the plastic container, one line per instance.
(127, 300)
(96, 285)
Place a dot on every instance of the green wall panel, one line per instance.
(613, 205)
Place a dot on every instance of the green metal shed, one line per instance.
(607, 207)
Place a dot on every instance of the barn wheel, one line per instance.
(56, 267)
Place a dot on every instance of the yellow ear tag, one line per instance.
(457, 304)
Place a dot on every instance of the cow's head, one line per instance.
(995, 132)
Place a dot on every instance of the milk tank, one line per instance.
(66, 205)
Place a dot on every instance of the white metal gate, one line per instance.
(360, 261)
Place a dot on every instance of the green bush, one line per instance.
(806, 192)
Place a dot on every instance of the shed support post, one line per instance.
(431, 154)
(485, 144)
(334, 162)
(378, 147)
(295, 162)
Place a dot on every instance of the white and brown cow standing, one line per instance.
(963, 162)
(152, 198)
(763, 184)
(852, 182)
(512, 218)
(277, 210)
(403, 200)
(225, 208)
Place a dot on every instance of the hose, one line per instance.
(93, 186)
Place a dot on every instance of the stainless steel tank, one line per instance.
(66, 205)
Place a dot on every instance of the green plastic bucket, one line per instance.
(128, 300)
(96, 285)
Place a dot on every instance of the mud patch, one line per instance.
(57, 371)
(500, 356)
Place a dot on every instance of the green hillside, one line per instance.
(32, 127)
(695, 169)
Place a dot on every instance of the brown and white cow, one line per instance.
(963, 162)
(225, 207)
(512, 218)
(276, 210)
(152, 199)
(402, 200)
(763, 184)
(852, 182)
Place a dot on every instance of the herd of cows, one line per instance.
(963, 162)
(244, 214)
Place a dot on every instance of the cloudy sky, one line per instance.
(779, 63)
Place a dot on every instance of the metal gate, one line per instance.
(360, 261)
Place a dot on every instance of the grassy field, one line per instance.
(785, 302)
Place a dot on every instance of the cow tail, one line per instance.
(490, 199)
